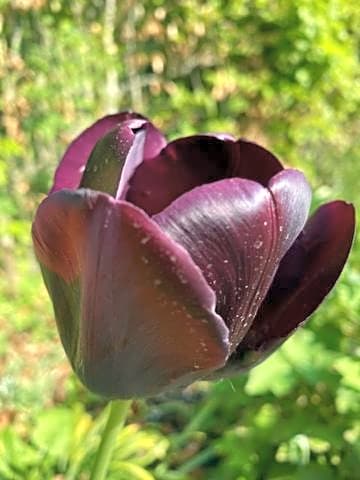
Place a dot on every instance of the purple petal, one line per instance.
(115, 157)
(194, 161)
(135, 157)
(237, 231)
(254, 162)
(106, 162)
(306, 275)
(219, 135)
(181, 166)
(72, 165)
(142, 314)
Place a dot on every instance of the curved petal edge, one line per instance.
(142, 324)
(306, 275)
(70, 170)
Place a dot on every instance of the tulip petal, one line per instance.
(181, 166)
(220, 135)
(106, 161)
(237, 231)
(115, 157)
(72, 165)
(306, 275)
(142, 314)
(193, 161)
(254, 162)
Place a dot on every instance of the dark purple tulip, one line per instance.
(167, 263)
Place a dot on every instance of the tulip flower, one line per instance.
(172, 262)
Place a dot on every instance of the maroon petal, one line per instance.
(193, 161)
(142, 314)
(306, 275)
(254, 162)
(220, 136)
(115, 157)
(72, 165)
(237, 231)
(106, 161)
(181, 166)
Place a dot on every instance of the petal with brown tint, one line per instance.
(145, 318)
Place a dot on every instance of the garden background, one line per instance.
(284, 73)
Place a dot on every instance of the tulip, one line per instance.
(172, 262)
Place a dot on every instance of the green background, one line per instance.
(284, 73)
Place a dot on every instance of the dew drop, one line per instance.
(144, 240)
(258, 244)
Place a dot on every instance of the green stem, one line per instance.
(197, 461)
(196, 423)
(115, 421)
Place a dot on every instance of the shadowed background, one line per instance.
(283, 73)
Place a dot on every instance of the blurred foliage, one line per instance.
(64, 440)
(284, 73)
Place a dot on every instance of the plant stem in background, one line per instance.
(117, 415)
(196, 422)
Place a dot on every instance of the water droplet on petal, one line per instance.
(144, 240)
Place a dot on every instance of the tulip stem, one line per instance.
(116, 419)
